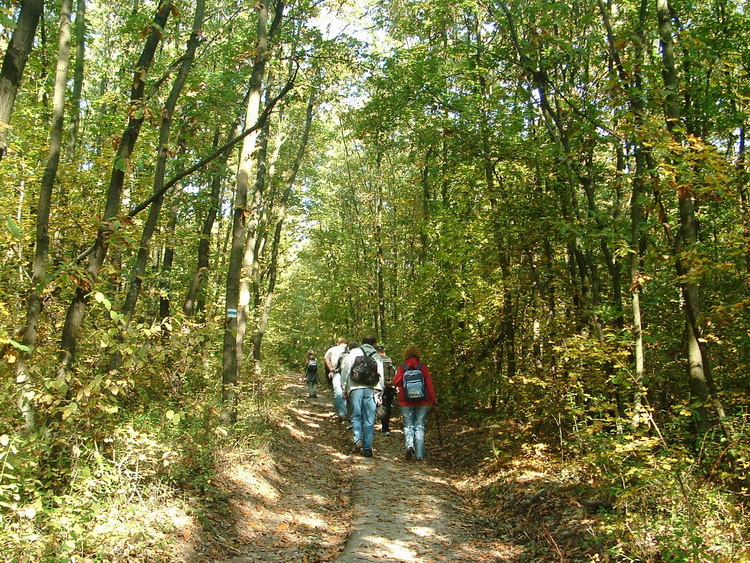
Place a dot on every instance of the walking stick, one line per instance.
(437, 425)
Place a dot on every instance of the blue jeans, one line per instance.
(363, 416)
(339, 403)
(413, 420)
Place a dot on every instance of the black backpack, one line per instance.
(365, 369)
(312, 366)
(414, 386)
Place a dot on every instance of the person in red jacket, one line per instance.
(415, 395)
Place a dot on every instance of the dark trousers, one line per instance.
(388, 394)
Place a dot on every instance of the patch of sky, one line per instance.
(352, 19)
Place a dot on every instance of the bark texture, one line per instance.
(14, 63)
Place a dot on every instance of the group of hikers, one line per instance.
(365, 383)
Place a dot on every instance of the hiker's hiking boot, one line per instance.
(367, 453)
(409, 453)
(357, 447)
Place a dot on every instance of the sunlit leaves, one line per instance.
(173, 417)
(12, 227)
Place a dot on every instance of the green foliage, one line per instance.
(134, 446)
(470, 187)
(666, 510)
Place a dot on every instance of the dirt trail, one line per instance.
(313, 499)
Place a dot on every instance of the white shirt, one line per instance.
(333, 353)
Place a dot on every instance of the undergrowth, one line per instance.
(613, 495)
(128, 481)
(670, 501)
(128, 494)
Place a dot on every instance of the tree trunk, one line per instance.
(193, 303)
(166, 271)
(232, 349)
(701, 384)
(636, 219)
(281, 216)
(379, 253)
(14, 63)
(162, 152)
(43, 211)
(248, 292)
(75, 117)
(637, 215)
(77, 308)
(742, 178)
(633, 87)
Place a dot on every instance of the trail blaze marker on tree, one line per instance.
(231, 313)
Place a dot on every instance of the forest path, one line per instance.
(317, 500)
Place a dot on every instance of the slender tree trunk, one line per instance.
(699, 374)
(258, 235)
(43, 211)
(379, 252)
(77, 308)
(232, 341)
(425, 180)
(742, 178)
(193, 303)
(613, 266)
(281, 215)
(637, 215)
(633, 86)
(75, 117)
(14, 63)
(166, 271)
(248, 292)
(636, 219)
(154, 211)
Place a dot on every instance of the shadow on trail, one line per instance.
(309, 498)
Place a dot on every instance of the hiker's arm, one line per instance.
(399, 377)
(346, 368)
(327, 360)
(380, 385)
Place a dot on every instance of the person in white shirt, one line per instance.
(363, 382)
(331, 358)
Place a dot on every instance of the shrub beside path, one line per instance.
(311, 498)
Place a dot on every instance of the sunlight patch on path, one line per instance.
(321, 502)
(406, 512)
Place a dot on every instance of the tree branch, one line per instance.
(201, 163)
(204, 161)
